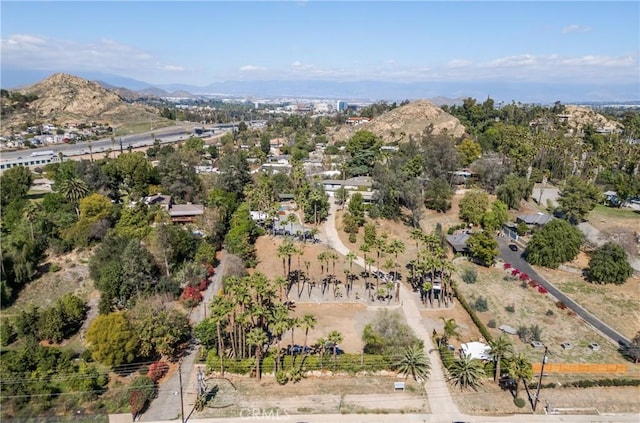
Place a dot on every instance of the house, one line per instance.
(531, 220)
(357, 120)
(359, 183)
(611, 199)
(179, 213)
(458, 243)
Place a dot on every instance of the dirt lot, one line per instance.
(557, 326)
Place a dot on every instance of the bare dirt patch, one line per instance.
(616, 305)
(314, 394)
(531, 307)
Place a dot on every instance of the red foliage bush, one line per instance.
(191, 296)
(515, 272)
(157, 370)
(533, 284)
(203, 284)
(210, 270)
(507, 266)
(561, 305)
(524, 276)
(137, 401)
(542, 289)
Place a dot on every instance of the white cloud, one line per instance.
(252, 68)
(105, 55)
(457, 63)
(171, 68)
(575, 28)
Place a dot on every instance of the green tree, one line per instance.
(334, 338)
(316, 208)
(466, 372)
(15, 183)
(437, 195)
(95, 207)
(557, 242)
(500, 347)
(484, 247)
(414, 362)
(112, 340)
(387, 334)
(473, 206)
(577, 198)
(257, 338)
(356, 208)
(469, 151)
(513, 189)
(133, 171)
(520, 369)
(609, 264)
(450, 329)
(73, 190)
(364, 148)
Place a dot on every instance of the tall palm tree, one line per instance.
(500, 347)
(74, 189)
(414, 362)
(350, 258)
(396, 247)
(520, 369)
(466, 372)
(278, 326)
(309, 321)
(286, 250)
(334, 338)
(333, 257)
(31, 212)
(257, 338)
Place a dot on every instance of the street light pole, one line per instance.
(544, 361)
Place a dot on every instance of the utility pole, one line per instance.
(181, 398)
(536, 398)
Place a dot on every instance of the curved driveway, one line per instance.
(515, 259)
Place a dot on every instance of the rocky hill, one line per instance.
(578, 117)
(408, 120)
(63, 98)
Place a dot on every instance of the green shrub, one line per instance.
(282, 377)
(492, 324)
(469, 275)
(549, 313)
(352, 237)
(519, 402)
(54, 268)
(481, 304)
(510, 308)
(7, 333)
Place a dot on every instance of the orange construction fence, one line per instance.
(581, 368)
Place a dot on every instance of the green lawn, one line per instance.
(601, 212)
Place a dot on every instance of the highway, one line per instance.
(165, 135)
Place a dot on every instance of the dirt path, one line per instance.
(440, 401)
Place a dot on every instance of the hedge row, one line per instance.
(349, 363)
(481, 327)
(590, 383)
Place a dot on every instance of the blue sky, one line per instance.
(203, 42)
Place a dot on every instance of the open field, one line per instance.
(530, 307)
(616, 305)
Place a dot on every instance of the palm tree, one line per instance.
(309, 321)
(322, 257)
(333, 257)
(279, 325)
(31, 212)
(334, 338)
(500, 347)
(417, 235)
(350, 258)
(466, 373)
(257, 338)
(450, 329)
(396, 247)
(286, 250)
(520, 369)
(291, 219)
(73, 189)
(414, 362)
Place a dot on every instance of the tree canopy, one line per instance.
(556, 243)
(609, 264)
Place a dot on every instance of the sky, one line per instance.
(202, 42)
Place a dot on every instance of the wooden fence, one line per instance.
(615, 368)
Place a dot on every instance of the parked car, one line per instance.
(594, 346)
(329, 348)
(513, 247)
(536, 344)
(566, 345)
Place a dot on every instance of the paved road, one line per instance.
(415, 418)
(167, 404)
(516, 260)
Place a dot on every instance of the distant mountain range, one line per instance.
(525, 92)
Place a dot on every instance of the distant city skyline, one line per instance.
(479, 43)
